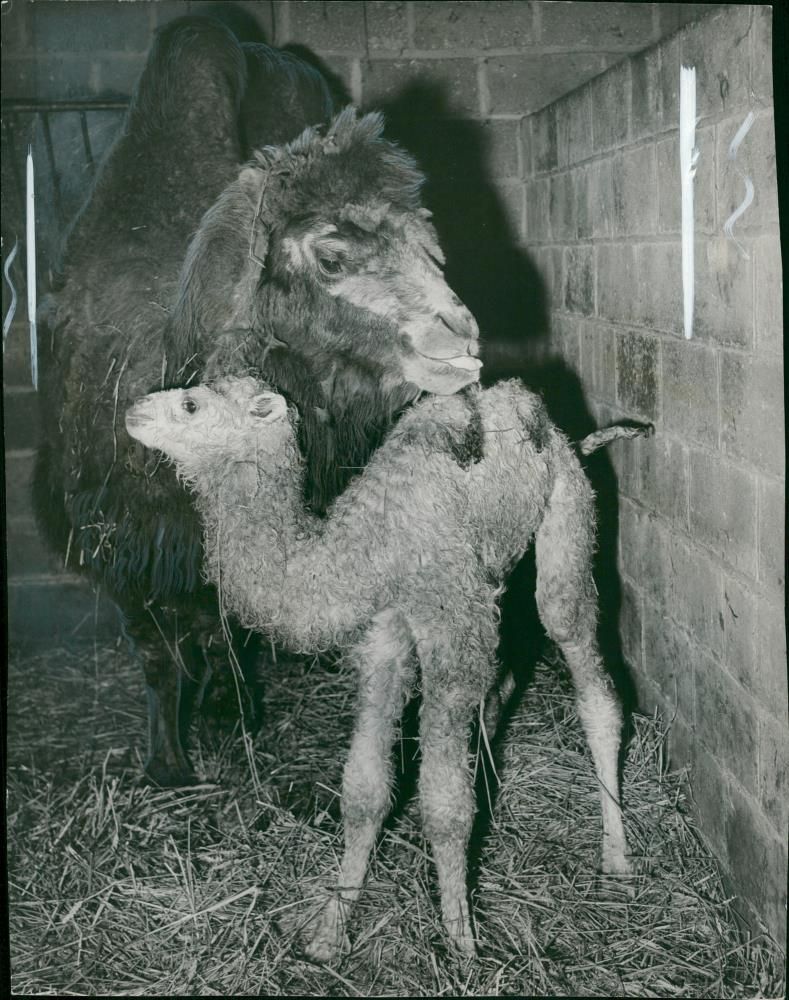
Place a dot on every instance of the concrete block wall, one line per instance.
(701, 524)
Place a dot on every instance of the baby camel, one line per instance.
(406, 572)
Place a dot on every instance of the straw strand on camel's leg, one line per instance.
(566, 599)
(385, 667)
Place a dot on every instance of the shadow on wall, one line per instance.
(501, 285)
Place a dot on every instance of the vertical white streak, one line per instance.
(688, 157)
(9, 316)
(734, 145)
(30, 219)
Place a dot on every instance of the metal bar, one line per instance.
(87, 105)
(83, 120)
(44, 116)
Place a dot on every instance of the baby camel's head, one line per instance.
(237, 419)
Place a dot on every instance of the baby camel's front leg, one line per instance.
(456, 671)
(384, 663)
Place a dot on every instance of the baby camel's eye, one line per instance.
(189, 405)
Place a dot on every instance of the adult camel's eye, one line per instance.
(189, 405)
(331, 266)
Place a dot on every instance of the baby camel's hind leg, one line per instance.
(567, 602)
(385, 668)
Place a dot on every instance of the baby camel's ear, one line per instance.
(268, 407)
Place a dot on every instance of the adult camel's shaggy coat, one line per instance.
(295, 265)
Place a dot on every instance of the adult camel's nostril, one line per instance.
(460, 322)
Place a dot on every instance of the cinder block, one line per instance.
(598, 362)
(386, 26)
(663, 463)
(600, 175)
(574, 127)
(659, 269)
(538, 210)
(563, 208)
(19, 74)
(528, 169)
(566, 335)
(90, 27)
(719, 49)
(752, 424)
(631, 614)
(453, 80)
(611, 107)
(754, 159)
(690, 392)
(643, 551)
(768, 281)
(770, 682)
(619, 295)
(473, 25)
(734, 743)
(675, 15)
(669, 189)
(670, 659)
(500, 142)
(772, 535)
(723, 509)
(774, 770)
(645, 93)
(692, 592)
(635, 192)
(710, 789)
(327, 27)
(527, 83)
(762, 46)
(608, 26)
(757, 858)
(550, 263)
(739, 611)
(669, 83)
(543, 126)
(511, 196)
(347, 73)
(583, 204)
(724, 309)
(579, 280)
(638, 374)
(681, 743)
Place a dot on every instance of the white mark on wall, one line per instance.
(30, 209)
(688, 158)
(9, 316)
(734, 145)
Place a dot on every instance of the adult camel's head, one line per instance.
(322, 252)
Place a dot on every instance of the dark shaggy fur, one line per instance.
(114, 510)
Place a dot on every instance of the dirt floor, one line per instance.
(117, 887)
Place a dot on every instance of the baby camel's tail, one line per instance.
(608, 434)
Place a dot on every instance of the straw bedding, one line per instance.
(116, 887)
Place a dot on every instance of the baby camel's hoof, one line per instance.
(465, 945)
(326, 946)
(616, 864)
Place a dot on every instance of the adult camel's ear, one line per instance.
(250, 181)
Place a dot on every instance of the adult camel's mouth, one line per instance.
(466, 362)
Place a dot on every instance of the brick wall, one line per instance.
(701, 515)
